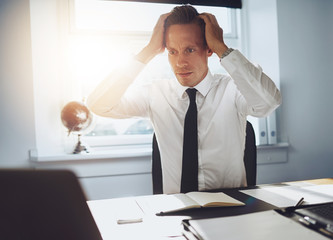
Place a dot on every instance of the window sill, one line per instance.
(129, 160)
(144, 150)
(96, 154)
(104, 162)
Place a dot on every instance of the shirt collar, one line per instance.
(202, 87)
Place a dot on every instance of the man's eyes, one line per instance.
(171, 52)
(188, 50)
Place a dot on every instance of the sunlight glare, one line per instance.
(91, 60)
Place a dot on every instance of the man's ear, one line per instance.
(209, 52)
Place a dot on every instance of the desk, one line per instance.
(107, 212)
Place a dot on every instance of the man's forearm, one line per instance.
(109, 92)
(145, 55)
(260, 92)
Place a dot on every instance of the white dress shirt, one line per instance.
(223, 104)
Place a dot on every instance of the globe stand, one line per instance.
(79, 147)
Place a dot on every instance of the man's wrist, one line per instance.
(226, 53)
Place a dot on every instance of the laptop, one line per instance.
(318, 217)
(44, 205)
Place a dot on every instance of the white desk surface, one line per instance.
(107, 212)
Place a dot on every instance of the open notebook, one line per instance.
(44, 204)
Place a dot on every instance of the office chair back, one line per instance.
(250, 161)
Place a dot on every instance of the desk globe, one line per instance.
(77, 118)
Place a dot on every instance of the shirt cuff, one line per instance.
(232, 61)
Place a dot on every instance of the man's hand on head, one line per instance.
(214, 34)
(156, 43)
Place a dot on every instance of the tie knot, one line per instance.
(191, 92)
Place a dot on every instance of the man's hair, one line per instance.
(185, 14)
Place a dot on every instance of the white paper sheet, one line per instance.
(107, 212)
(326, 189)
(286, 196)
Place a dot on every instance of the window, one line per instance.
(103, 36)
(77, 43)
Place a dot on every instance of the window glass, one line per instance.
(104, 34)
(120, 16)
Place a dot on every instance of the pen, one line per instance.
(300, 202)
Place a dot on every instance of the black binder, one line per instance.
(301, 222)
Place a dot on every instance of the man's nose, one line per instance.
(181, 60)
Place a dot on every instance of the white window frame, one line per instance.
(52, 76)
(103, 142)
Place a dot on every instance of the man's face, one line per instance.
(188, 56)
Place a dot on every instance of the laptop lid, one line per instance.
(44, 204)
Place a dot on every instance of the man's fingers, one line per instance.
(204, 17)
(160, 22)
(163, 17)
(208, 18)
(213, 19)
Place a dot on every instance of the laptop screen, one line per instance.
(44, 204)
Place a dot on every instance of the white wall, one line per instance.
(302, 53)
(17, 125)
(306, 62)
(304, 50)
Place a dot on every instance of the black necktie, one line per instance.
(189, 180)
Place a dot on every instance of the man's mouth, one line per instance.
(184, 74)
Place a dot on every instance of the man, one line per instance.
(222, 102)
